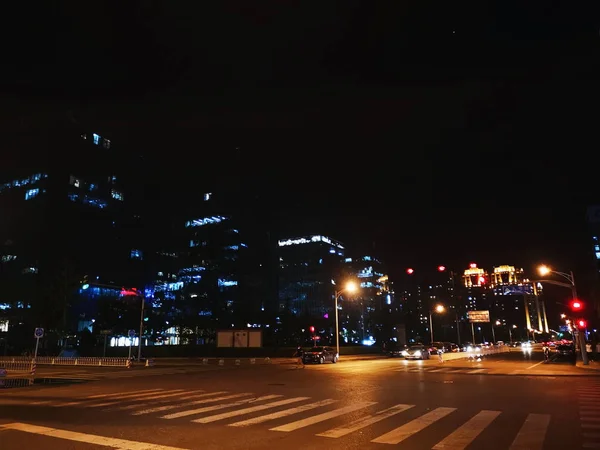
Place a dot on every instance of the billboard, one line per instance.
(478, 316)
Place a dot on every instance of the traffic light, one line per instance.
(312, 329)
(410, 271)
(581, 324)
(576, 305)
(441, 268)
(85, 283)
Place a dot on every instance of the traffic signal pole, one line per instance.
(580, 332)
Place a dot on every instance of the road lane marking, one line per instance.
(128, 398)
(195, 402)
(532, 434)
(117, 394)
(188, 394)
(321, 417)
(460, 438)
(284, 413)
(405, 431)
(246, 401)
(535, 365)
(364, 422)
(107, 396)
(121, 444)
(241, 412)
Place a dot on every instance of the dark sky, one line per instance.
(443, 133)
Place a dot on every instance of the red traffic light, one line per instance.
(441, 268)
(410, 271)
(581, 323)
(312, 329)
(576, 305)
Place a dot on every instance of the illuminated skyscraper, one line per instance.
(476, 282)
(308, 268)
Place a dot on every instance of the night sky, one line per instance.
(436, 134)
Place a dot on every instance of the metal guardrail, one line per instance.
(17, 373)
(66, 361)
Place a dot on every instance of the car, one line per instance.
(320, 355)
(416, 352)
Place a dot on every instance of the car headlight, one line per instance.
(418, 353)
(469, 348)
(404, 353)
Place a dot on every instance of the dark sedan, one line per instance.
(320, 355)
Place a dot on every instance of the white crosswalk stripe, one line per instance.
(588, 396)
(405, 431)
(397, 423)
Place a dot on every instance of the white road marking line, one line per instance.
(535, 365)
(106, 396)
(191, 412)
(590, 419)
(532, 434)
(128, 398)
(405, 431)
(117, 394)
(241, 412)
(460, 438)
(364, 422)
(195, 402)
(284, 413)
(188, 394)
(477, 371)
(120, 444)
(321, 417)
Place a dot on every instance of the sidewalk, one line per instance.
(593, 366)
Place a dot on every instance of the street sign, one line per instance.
(478, 316)
(131, 333)
(38, 333)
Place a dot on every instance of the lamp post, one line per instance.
(350, 287)
(545, 270)
(438, 309)
(510, 332)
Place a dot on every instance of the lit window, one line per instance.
(31, 193)
(96, 139)
(205, 221)
(106, 143)
(207, 196)
(136, 254)
(597, 255)
(74, 181)
(116, 195)
(30, 270)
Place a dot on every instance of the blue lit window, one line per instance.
(74, 181)
(348, 260)
(96, 139)
(204, 221)
(31, 193)
(136, 254)
(92, 187)
(226, 283)
(73, 197)
(232, 247)
(193, 243)
(597, 248)
(95, 202)
(597, 255)
(116, 195)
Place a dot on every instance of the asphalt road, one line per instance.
(370, 404)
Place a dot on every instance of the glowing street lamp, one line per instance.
(350, 288)
(438, 309)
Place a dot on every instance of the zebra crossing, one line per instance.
(85, 375)
(588, 397)
(437, 369)
(287, 414)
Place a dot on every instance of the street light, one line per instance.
(510, 333)
(545, 270)
(438, 309)
(350, 288)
